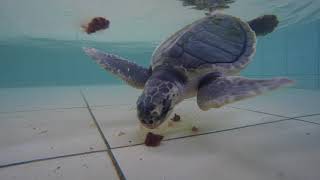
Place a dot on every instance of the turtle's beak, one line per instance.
(159, 122)
(152, 126)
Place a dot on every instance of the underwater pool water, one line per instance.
(293, 52)
(43, 48)
(64, 117)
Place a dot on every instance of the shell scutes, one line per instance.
(220, 41)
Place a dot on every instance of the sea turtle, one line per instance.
(202, 60)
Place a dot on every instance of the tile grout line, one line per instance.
(212, 132)
(306, 121)
(259, 112)
(236, 128)
(43, 109)
(50, 158)
(109, 150)
(308, 115)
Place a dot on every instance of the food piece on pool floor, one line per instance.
(96, 24)
(176, 118)
(153, 139)
(194, 129)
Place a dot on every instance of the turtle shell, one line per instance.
(218, 42)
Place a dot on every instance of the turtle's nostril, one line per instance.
(151, 122)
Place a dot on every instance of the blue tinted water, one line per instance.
(293, 50)
(43, 62)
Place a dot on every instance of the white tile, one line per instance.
(111, 95)
(115, 121)
(284, 102)
(40, 134)
(282, 150)
(24, 99)
(91, 166)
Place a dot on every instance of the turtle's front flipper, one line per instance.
(264, 24)
(215, 91)
(133, 74)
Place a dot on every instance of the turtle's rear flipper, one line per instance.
(264, 24)
(216, 91)
(133, 74)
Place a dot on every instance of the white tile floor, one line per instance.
(50, 133)
(284, 102)
(26, 99)
(94, 166)
(26, 136)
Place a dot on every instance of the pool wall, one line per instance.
(292, 52)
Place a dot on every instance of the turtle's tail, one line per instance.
(135, 75)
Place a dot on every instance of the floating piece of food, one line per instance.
(96, 24)
(153, 139)
(194, 129)
(176, 118)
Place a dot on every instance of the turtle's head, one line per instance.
(156, 102)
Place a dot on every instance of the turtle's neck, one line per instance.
(168, 73)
